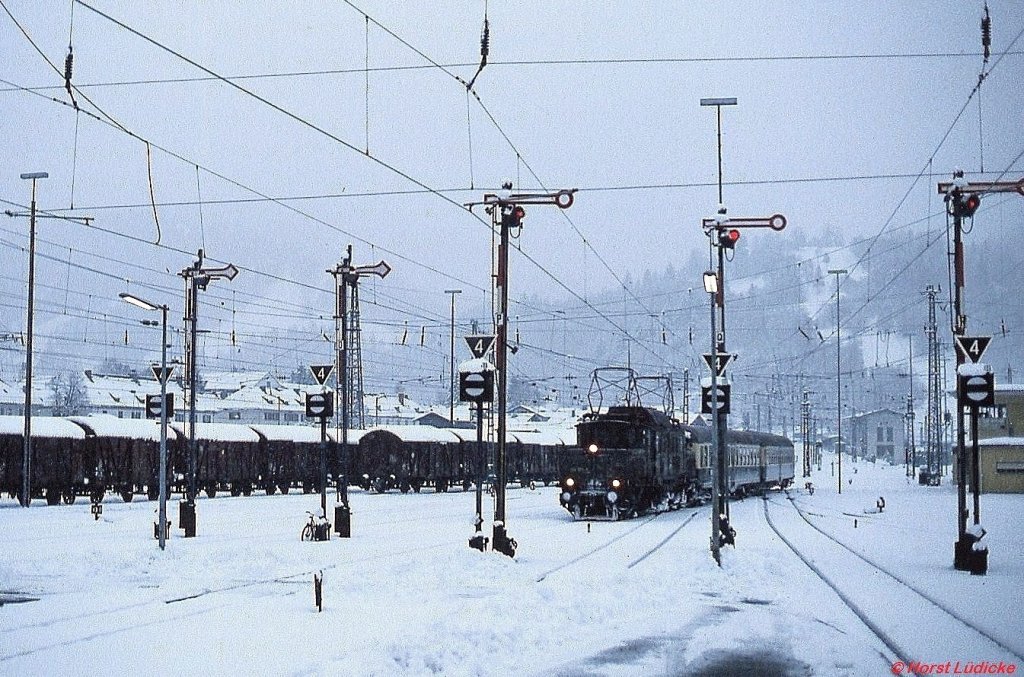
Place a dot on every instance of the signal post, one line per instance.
(723, 233)
(476, 385)
(963, 198)
(507, 212)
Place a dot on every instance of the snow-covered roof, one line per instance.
(1001, 442)
(294, 433)
(545, 437)
(353, 436)
(42, 426)
(220, 432)
(256, 397)
(107, 425)
(417, 433)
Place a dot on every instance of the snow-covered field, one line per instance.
(406, 595)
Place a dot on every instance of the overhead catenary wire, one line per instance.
(610, 61)
(519, 160)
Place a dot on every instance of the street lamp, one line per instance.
(26, 459)
(451, 373)
(146, 305)
(839, 390)
(718, 103)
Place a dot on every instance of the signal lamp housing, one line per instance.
(728, 237)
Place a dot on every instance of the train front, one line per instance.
(598, 474)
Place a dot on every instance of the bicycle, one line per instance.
(317, 529)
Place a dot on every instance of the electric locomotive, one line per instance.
(627, 461)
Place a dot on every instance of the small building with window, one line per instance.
(1001, 441)
(876, 435)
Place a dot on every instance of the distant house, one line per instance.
(12, 398)
(875, 435)
(1001, 441)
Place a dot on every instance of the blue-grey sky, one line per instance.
(600, 96)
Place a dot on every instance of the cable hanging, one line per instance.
(199, 196)
(366, 73)
(986, 43)
(485, 42)
(69, 63)
(152, 197)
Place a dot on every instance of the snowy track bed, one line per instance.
(406, 595)
(883, 600)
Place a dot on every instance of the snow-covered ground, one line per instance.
(406, 595)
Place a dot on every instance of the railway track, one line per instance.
(911, 624)
(608, 543)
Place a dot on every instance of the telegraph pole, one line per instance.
(839, 384)
(805, 431)
(507, 212)
(911, 442)
(451, 373)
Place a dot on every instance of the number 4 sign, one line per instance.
(480, 344)
(972, 347)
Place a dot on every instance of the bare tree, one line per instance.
(68, 394)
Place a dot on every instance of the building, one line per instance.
(876, 435)
(1001, 441)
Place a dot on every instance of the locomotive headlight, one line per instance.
(592, 448)
(570, 482)
(616, 484)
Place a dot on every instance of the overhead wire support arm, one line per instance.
(485, 40)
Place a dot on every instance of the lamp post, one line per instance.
(26, 458)
(718, 103)
(146, 305)
(451, 373)
(839, 386)
(718, 337)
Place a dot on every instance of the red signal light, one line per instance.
(971, 204)
(512, 217)
(728, 238)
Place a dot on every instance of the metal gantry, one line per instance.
(933, 414)
(839, 383)
(347, 337)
